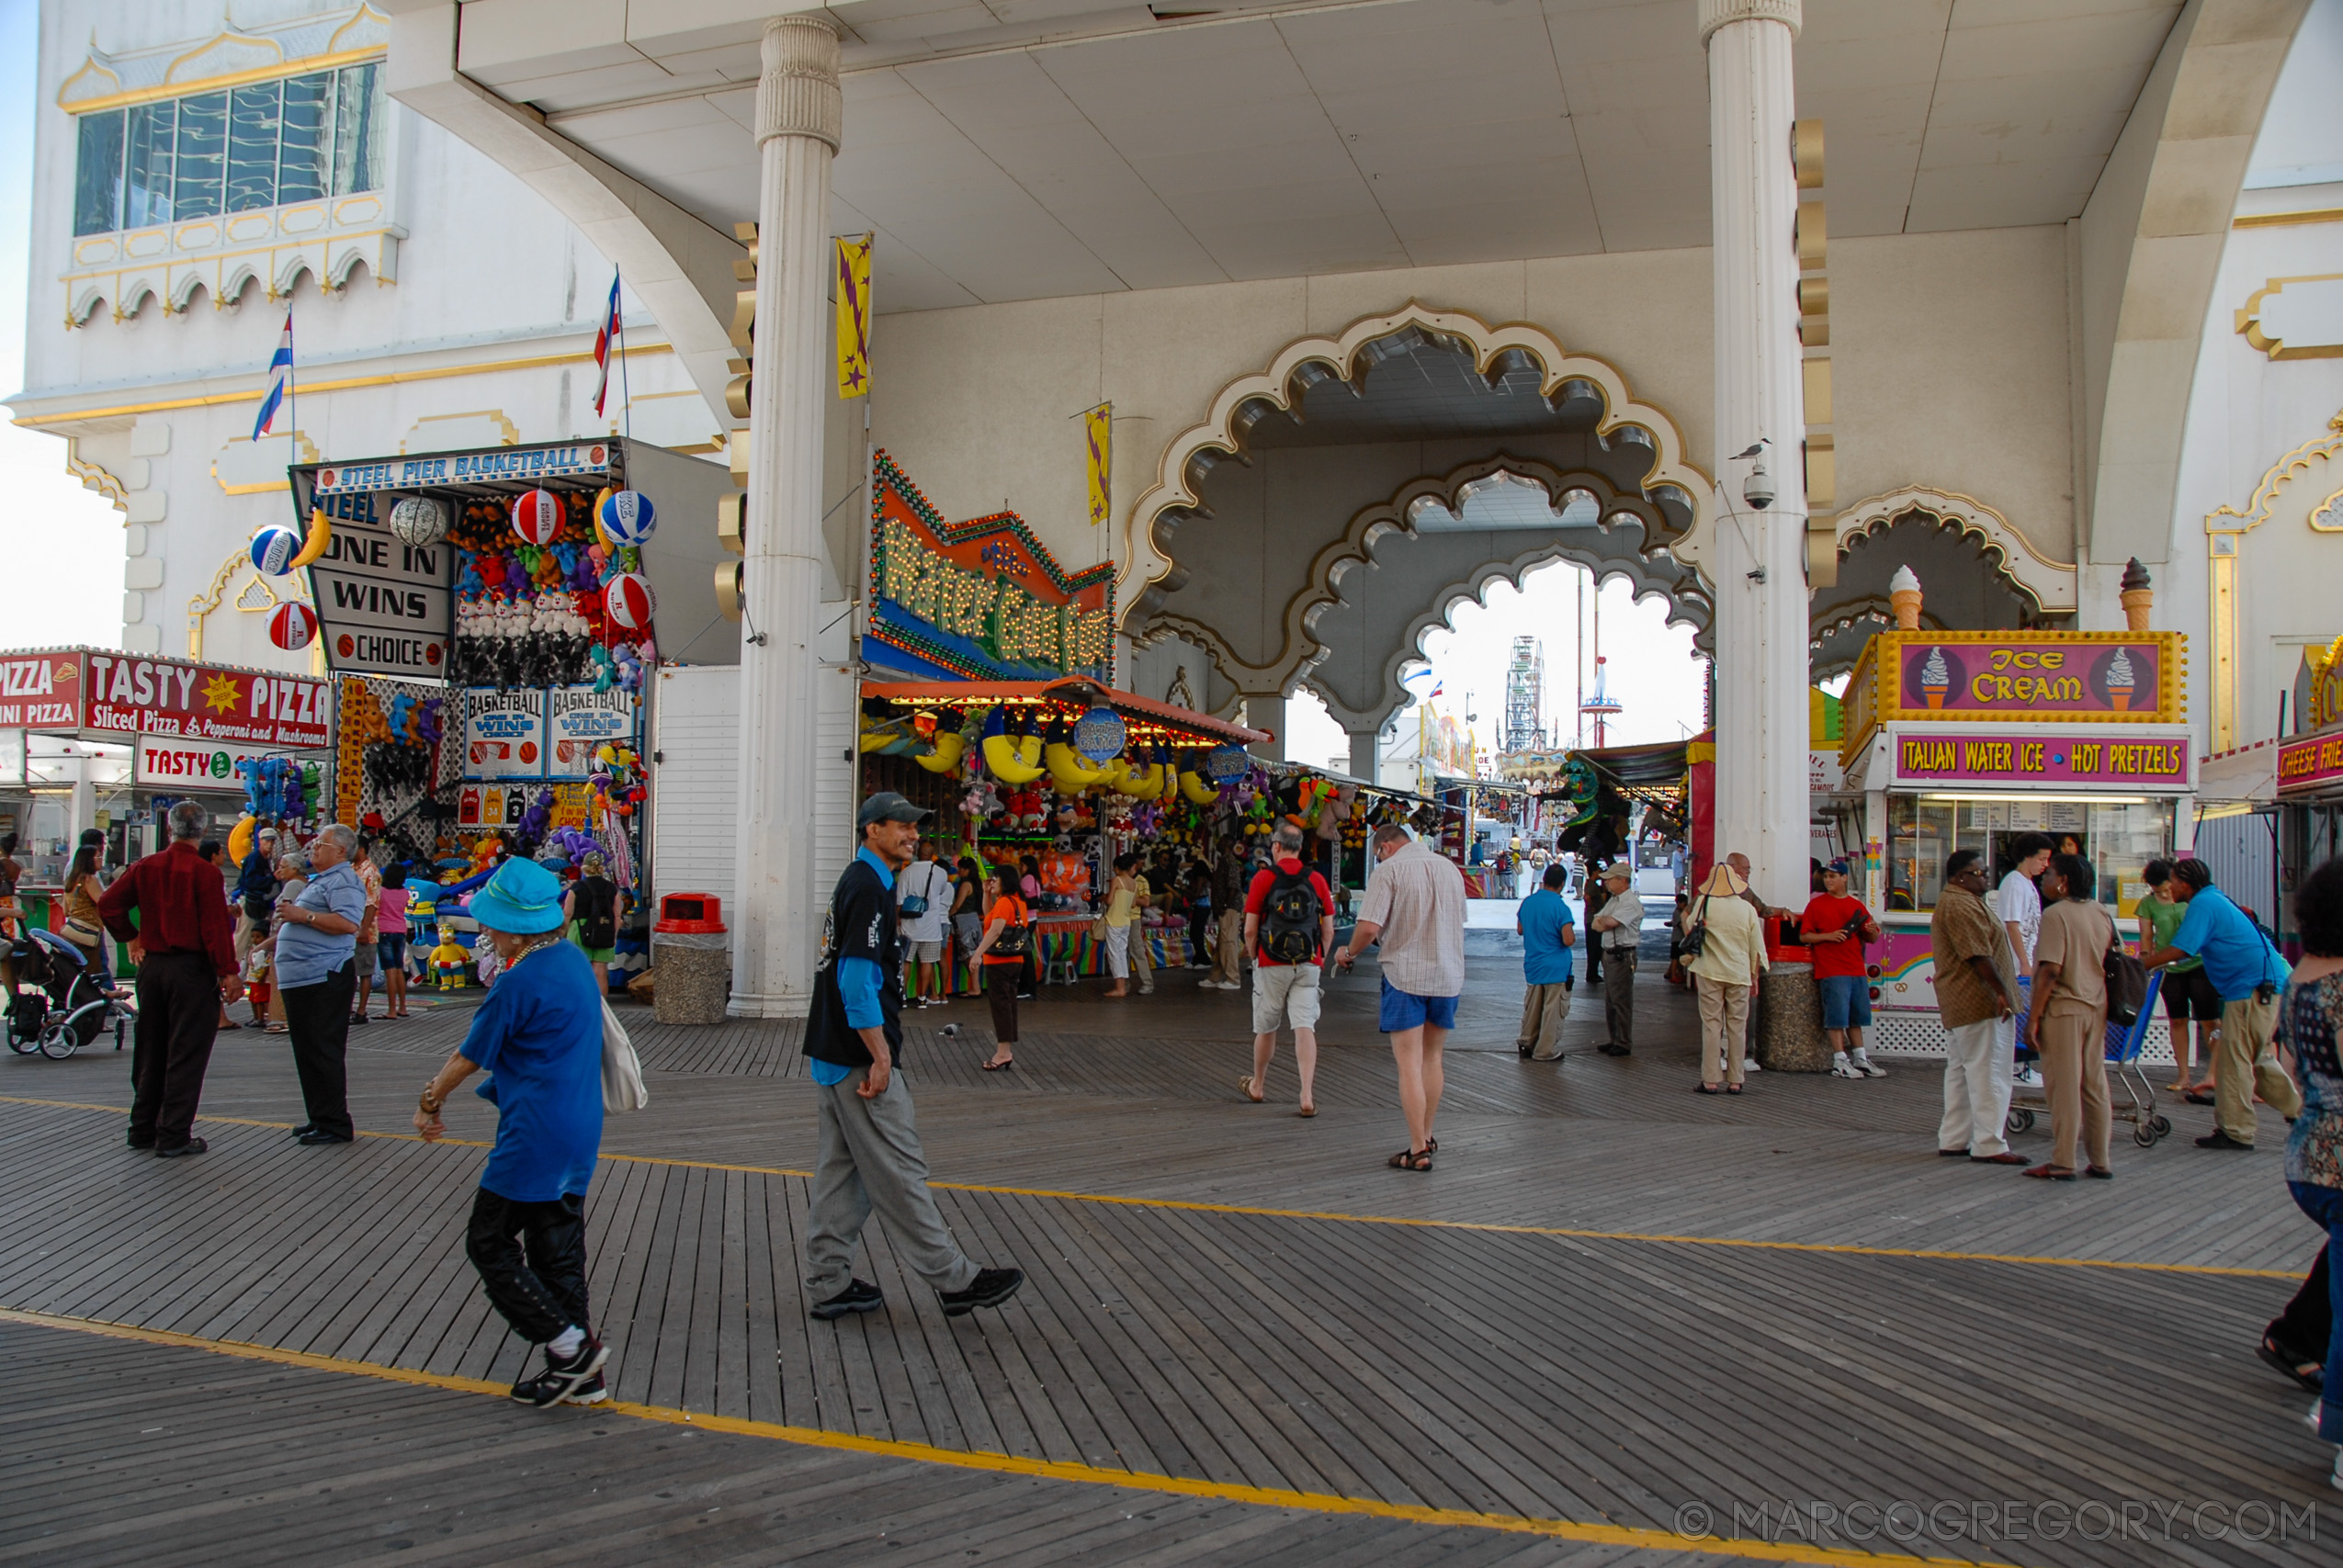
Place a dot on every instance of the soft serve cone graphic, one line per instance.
(1936, 679)
(2118, 681)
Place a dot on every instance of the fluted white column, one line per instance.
(1760, 557)
(777, 917)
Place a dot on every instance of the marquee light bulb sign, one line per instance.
(980, 600)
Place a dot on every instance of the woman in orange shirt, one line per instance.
(1001, 955)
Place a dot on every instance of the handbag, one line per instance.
(1695, 935)
(622, 1085)
(80, 932)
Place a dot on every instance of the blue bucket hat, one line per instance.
(522, 898)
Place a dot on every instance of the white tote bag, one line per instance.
(622, 1085)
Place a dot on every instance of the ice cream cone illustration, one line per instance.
(1904, 598)
(1936, 679)
(2118, 681)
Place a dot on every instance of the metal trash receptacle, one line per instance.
(690, 960)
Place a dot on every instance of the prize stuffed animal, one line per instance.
(448, 960)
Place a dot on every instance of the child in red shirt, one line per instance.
(1834, 928)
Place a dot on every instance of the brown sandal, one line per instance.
(1409, 1159)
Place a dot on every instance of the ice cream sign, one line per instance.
(2037, 676)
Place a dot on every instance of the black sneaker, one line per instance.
(2218, 1139)
(561, 1378)
(141, 1140)
(989, 1288)
(594, 1391)
(860, 1295)
(174, 1151)
(304, 1129)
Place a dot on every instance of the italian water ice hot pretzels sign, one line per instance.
(980, 600)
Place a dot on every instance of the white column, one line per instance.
(777, 917)
(1760, 557)
(1267, 713)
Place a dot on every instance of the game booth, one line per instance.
(1961, 740)
(2309, 783)
(988, 699)
(488, 616)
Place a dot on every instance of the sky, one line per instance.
(61, 545)
(1652, 671)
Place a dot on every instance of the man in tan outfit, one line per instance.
(2068, 1024)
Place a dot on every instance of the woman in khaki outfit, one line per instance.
(2068, 1024)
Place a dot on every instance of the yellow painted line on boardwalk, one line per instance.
(1186, 1205)
(1012, 1464)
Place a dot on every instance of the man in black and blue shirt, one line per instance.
(870, 1155)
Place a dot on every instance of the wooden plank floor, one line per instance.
(1613, 1376)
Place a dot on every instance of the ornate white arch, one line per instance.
(2050, 585)
(1305, 361)
(1301, 650)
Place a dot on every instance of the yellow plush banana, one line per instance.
(949, 744)
(1197, 788)
(240, 839)
(320, 534)
(1071, 775)
(1013, 759)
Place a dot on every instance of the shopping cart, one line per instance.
(2126, 1079)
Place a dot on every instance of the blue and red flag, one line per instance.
(281, 381)
(605, 341)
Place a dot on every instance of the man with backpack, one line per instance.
(1289, 926)
(2247, 973)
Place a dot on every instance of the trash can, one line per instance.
(1789, 1026)
(690, 960)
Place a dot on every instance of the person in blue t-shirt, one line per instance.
(1548, 933)
(2247, 973)
(538, 1036)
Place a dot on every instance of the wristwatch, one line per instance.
(427, 1105)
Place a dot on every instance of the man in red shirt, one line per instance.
(1289, 925)
(1834, 928)
(185, 944)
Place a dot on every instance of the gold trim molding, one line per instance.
(93, 476)
(203, 604)
(2316, 464)
(2249, 321)
(2050, 585)
(2288, 219)
(347, 383)
(363, 36)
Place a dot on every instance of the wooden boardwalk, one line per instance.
(1614, 1307)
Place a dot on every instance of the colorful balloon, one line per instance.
(537, 516)
(292, 625)
(628, 601)
(626, 517)
(273, 550)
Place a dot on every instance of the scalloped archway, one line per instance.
(1151, 568)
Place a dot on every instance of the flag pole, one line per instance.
(625, 388)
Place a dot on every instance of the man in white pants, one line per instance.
(1977, 985)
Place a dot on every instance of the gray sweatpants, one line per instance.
(870, 1158)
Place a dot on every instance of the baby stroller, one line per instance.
(60, 1003)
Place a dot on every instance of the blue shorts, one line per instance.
(1846, 1001)
(1405, 1010)
(391, 948)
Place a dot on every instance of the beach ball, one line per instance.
(537, 516)
(419, 520)
(292, 625)
(626, 515)
(628, 601)
(273, 550)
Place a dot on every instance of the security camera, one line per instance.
(1758, 489)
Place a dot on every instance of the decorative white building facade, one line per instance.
(200, 173)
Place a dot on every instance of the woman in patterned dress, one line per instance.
(2310, 1019)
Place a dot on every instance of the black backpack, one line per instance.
(2127, 983)
(1289, 918)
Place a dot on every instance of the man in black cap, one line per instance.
(870, 1155)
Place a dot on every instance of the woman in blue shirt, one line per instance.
(540, 1038)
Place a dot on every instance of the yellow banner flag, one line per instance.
(854, 315)
(1098, 436)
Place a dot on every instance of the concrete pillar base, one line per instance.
(1789, 1028)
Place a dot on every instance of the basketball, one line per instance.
(419, 520)
(292, 625)
(537, 516)
(628, 601)
(273, 550)
(626, 517)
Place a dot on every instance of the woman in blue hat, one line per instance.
(540, 1038)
